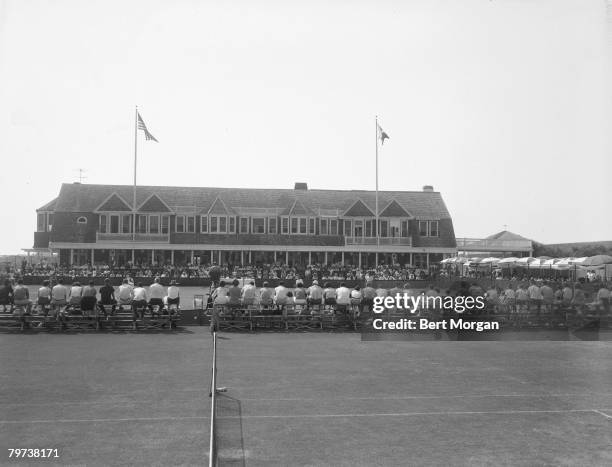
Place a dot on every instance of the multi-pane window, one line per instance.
(102, 223)
(294, 225)
(259, 225)
(404, 229)
(214, 224)
(272, 225)
(358, 228)
(423, 228)
(154, 224)
(303, 225)
(180, 224)
(114, 224)
(384, 228)
(222, 224)
(191, 224)
(126, 223)
(333, 227)
(369, 228)
(311, 226)
(323, 227)
(232, 224)
(204, 224)
(285, 225)
(40, 222)
(165, 222)
(348, 227)
(434, 229)
(244, 225)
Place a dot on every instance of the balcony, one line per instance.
(383, 241)
(127, 237)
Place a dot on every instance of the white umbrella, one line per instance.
(527, 260)
(578, 261)
(563, 263)
(490, 260)
(597, 260)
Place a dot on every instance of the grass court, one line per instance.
(304, 399)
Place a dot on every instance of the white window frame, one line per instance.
(275, 220)
(176, 224)
(285, 219)
(204, 223)
(219, 225)
(437, 228)
(247, 224)
(84, 220)
(151, 216)
(426, 229)
(323, 221)
(335, 223)
(253, 225)
(231, 228)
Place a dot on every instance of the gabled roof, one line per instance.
(154, 204)
(506, 235)
(113, 202)
(359, 209)
(50, 206)
(393, 209)
(86, 198)
(219, 207)
(297, 209)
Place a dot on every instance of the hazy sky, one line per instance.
(502, 105)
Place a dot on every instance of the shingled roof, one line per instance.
(86, 198)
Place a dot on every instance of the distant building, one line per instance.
(503, 243)
(178, 225)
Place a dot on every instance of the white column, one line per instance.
(71, 257)
(250, 257)
(92, 256)
(275, 256)
(172, 257)
(192, 253)
(286, 257)
(219, 257)
(133, 257)
(152, 256)
(343, 258)
(310, 257)
(427, 260)
(241, 258)
(212, 256)
(326, 258)
(359, 260)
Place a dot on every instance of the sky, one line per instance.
(501, 105)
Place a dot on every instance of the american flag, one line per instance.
(143, 127)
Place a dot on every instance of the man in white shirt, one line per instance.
(315, 293)
(173, 295)
(280, 294)
(126, 293)
(343, 295)
(140, 300)
(249, 293)
(535, 296)
(59, 294)
(156, 295)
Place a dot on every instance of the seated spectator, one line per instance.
(280, 294)
(329, 294)
(21, 297)
(126, 293)
(300, 294)
(156, 295)
(107, 296)
(235, 294)
(343, 295)
(44, 295)
(249, 294)
(6, 295)
(173, 294)
(266, 297)
(219, 296)
(140, 300)
(603, 297)
(356, 295)
(59, 294)
(89, 297)
(315, 293)
(76, 293)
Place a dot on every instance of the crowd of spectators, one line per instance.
(277, 271)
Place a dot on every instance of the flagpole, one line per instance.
(134, 189)
(377, 225)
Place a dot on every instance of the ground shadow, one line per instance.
(230, 439)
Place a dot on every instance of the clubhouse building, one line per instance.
(94, 224)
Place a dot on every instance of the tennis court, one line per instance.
(304, 399)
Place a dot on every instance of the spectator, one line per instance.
(156, 294)
(44, 295)
(6, 295)
(89, 297)
(107, 296)
(300, 294)
(140, 300)
(343, 295)
(21, 297)
(315, 293)
(235, 294)
(266, 296)
(76, 293)
(603, 296)
(59, 294)
(126, 293)
(280, 294)
(329, 294)
(249, 294)
(219, 296)
(173, 294)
